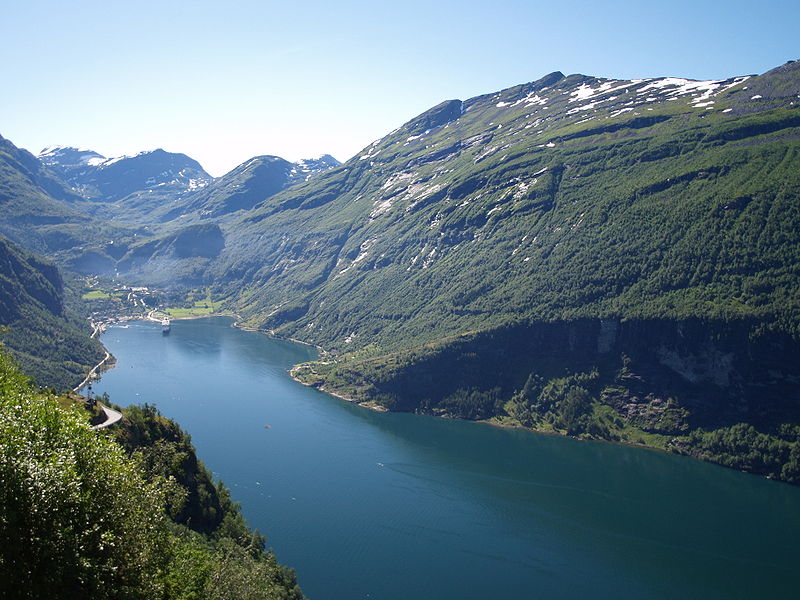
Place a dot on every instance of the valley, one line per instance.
(399, 300)
(632, 243)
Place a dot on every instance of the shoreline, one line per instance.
(375, 407)
(109, 362)
(101, 325)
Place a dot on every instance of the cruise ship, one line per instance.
(165, 326)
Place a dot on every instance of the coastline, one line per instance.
(109, 363)
(370, 406)
(101, 326)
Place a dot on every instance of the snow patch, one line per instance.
(380, 208)
(584, 92)
(617, 113)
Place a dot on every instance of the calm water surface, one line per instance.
(396, 506)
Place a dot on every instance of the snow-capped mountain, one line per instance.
(102, 179)
(162, 185)
(304, 169)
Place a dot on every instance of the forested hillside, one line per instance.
(568, 197)
(48, 340)
(81, 517)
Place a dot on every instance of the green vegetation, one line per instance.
(45, 336)
(96, 295)
(182, 313)
(197, 304)
(656, 383)
(83, 518)
(515, 210)
(743, 447)
(203, 300)
(605, 222)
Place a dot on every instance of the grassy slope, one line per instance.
(525, 210)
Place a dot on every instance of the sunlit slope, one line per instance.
(570, 196)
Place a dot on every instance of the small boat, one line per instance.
(165, 326)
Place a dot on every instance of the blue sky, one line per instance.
(225, 81)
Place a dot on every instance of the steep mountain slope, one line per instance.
(576, 214)
(31, 214)
(47, 341)
(571, 196)
(176, 258)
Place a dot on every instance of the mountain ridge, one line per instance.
(538, 192)
(565, 210)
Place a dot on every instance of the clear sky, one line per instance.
(225, 81)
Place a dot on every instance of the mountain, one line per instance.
(70, 163)
(306, 168)
(247, 185)
(607, 220)
(570, 196)
(177, 258)
(47, 340)
(40, 212)
(159, 187)
(127, 187)
(32, 203)
(103, 216)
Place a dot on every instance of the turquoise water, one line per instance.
(396, 506)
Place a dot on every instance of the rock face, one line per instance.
(177, 258)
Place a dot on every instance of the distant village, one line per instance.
(112, 302)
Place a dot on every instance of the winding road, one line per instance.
(112, 416)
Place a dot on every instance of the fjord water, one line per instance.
(397, 506)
